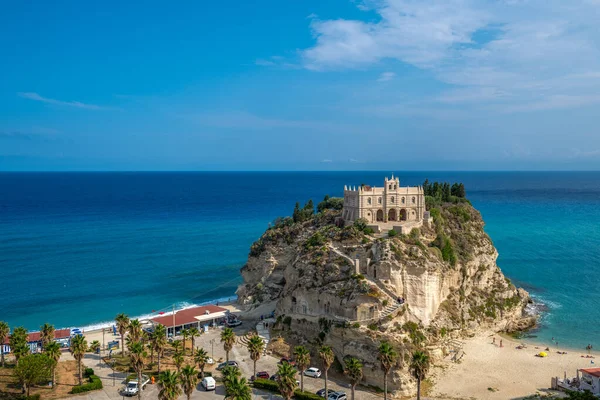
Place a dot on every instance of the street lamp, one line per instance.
(212, 348)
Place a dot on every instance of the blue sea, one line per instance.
(78, 248)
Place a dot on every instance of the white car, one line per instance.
(208, 383)
(234, 323)
(312, 371)
(132, 387)
(337, 396)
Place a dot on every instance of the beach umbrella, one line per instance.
(543, 354)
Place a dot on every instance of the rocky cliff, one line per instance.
(351, 289)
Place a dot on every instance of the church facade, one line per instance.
(388, 204)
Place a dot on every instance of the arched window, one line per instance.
(394, 186)
(390, 186)
(403, 200)
(414, 200)
(379, 200)
(392, 199)
(369, 201)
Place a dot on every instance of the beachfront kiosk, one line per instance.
(196, 317)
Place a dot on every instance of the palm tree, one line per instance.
(94, 346)
(327, 357)
(354, 371)
(229, 373)
(4, 331)
(138, 355)
(185, 334)
(228, 339)
(53, 352)
(122, 321)
(159, 342)
(238, 389)
(419, 366)
(387, 357)
(18, 343)
(193, 333)
(302, 356)
(78, 349)
(176, 345)
(255, 346)
(135, 330)
(178, 360)
(200, 358)
(46, 334)
(286, 380)
(189, 380)
(168, 383)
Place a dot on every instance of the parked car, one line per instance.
(208, 383)
(234, 323)
(321, 393)
(227, 363)
(260, 375)
(337, 396)
(133, 387)
(273, 377)
(312, 371)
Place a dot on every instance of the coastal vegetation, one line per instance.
(168, 384)
(256, 346)
(228, 339)
(327, 357)
(354, 371)
(302, 356)
(4, 331)
(122, 321)
(33, 369)
(78, 349)
(189, 380)
(387, 357)
(419, 366)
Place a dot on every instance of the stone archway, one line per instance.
(380, 215)
(403, 215)
(392, 215)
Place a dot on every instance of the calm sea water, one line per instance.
(78, 248)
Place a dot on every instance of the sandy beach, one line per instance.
(512, 373)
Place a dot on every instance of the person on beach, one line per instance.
(501, 343)
(494, 340)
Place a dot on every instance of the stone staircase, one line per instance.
(243, 340)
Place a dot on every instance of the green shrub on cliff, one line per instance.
(317, 239)
(330, 203)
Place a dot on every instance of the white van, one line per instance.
(208, 383)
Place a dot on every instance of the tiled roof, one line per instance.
(592, 371)
(188, 316)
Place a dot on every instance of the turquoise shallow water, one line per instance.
(78, 248)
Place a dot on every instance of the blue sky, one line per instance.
(300, 85)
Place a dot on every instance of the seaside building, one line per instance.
(590, 380)
(391, 206)
(34, 340)
(195, 317)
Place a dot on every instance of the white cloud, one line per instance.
(516, 52)
(264, 63)
(386, 76)
(76, 104)
(327, 160)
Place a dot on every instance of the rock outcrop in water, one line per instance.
(351, 290)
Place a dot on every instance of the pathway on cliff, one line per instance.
(393, 304)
